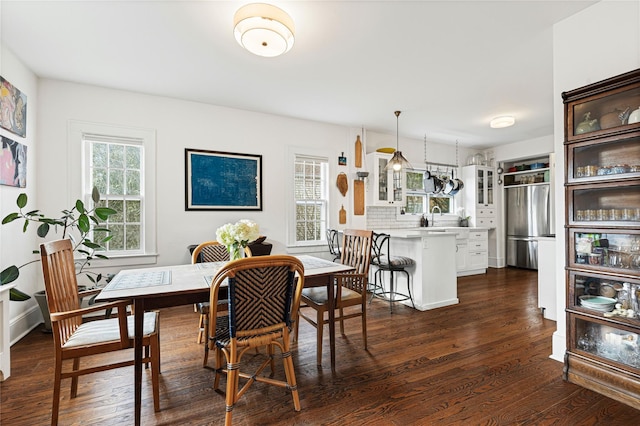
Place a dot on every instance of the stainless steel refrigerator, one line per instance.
(528, 212)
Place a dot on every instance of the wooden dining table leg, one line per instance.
(138, 317)
(332, 324)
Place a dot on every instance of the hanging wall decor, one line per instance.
(342, 160)
(358, 152)
(222, 180)
(342, 183)
(13, 108)
(13, 163)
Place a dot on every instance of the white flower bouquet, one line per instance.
(236, 236)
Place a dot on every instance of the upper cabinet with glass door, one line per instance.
(479, 194)
(385, 187)
(610, 111)
(481, 179)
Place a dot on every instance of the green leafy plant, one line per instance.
(77, 224)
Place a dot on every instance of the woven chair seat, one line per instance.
(395, 261)
(320, 296)
(92, 332)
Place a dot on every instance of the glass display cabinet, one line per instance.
(479, 200)
(602, 194)
(387, 187)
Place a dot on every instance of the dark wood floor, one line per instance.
(482, 362)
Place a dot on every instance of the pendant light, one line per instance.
(398, 162)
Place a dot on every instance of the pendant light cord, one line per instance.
(397, 113)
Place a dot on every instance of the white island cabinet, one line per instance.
(434, 274)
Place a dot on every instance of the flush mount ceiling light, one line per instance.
(504, 121)
(263, 29)
(398, 162)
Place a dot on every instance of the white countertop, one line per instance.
(419, 232)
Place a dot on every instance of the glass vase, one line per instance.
(235, 251)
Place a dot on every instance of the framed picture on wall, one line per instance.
(13, 105)
(13, 159)
(217, 180)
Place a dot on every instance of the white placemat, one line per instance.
(139, 279)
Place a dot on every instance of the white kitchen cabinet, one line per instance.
(433, 277)
(385, 187)
(479, 194)
(472, 250)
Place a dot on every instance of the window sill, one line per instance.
(123, 260)
(308, 249)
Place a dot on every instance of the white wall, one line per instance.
(15, 247)
(597, 43)
(178, 125)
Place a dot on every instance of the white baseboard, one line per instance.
(23, 324)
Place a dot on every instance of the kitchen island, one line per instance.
(434, 274)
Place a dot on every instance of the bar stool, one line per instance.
(384, 261)
(333, 240)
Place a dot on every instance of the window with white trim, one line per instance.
(418, 201)
(311, 196)
(115, 168)
(120, 162)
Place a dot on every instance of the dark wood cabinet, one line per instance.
(602, 197)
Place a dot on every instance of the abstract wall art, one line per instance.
(13, 108)
(13, 163)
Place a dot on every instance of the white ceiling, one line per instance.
(450, 66)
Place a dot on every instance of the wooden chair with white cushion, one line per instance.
(74, 339)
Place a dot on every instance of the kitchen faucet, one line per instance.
(433, 223)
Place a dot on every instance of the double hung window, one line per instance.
(311, 197)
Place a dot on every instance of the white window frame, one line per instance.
(79, 183)
(294, 153)
(88, 139)
(425, 203)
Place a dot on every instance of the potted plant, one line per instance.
(80, 224)
(462, 219)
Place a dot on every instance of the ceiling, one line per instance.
(449, 66)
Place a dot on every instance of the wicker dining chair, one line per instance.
(74, 339)
(209, 251)
(264, 296)
(350, 288)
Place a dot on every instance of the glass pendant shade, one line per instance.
(398, 161)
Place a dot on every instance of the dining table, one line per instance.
(176, 285)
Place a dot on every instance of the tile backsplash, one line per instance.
(388, 218)
(385, 218)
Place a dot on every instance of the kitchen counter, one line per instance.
(434, 275)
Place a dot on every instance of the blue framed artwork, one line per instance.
(217, 180)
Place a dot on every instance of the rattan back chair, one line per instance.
(351, 288)
(209, 251)
(74, 339)
(264, 296)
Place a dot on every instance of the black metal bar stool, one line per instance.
(381, 258)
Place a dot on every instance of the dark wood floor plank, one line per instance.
(484, 361)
